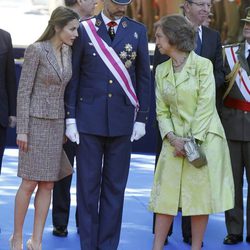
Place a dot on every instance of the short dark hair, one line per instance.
(70, 3)
(178, 31)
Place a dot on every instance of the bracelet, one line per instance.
(171, 137)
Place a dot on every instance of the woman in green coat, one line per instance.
(185, 105)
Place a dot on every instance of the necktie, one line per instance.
(248, 58)
(198, 43)
(111, 29)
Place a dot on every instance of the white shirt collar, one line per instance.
(107, 20)
(247, 48)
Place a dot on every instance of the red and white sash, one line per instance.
(112, 61)
(242, 79)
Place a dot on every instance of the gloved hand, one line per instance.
(138, 131)
(22, 142)
(12, 121)
(71, 130)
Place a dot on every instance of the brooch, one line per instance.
(127, 55)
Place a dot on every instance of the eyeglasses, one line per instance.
(201, 5)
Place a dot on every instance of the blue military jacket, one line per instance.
(8, 87)
(93, 96)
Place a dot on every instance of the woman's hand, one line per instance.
(22, 142)
(179, 148)
(177, 143)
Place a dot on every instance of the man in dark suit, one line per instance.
(235, 118)
(107, 106)
(61, 191)
(196, 12)
(8, 89)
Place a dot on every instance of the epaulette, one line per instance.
(230, 45)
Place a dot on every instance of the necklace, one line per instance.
(176, 65)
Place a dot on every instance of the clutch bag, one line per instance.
(194, 153)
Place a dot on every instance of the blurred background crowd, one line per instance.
(224, 17)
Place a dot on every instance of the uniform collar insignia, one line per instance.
(98, 22)
(124, 24)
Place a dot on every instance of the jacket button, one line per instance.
(81, 99)
(110, 81)
(245, 112)
(109, 95)
(68, 113)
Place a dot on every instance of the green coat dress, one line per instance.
(185, 103)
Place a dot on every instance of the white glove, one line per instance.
(12, 121)
(138, 131)
(71, 130)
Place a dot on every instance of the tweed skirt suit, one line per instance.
(40, 111)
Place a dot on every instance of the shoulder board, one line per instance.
(230, 45)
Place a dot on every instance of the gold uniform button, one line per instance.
(109, 95)
(110, 81)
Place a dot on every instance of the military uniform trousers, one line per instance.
(61, 192)
(102, 172)
(240, 158)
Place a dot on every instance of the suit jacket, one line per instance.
(42, 84)
(211, 49)
(94, 96)
(8, 88)
(237, 122)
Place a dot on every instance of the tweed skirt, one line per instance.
(42, 162)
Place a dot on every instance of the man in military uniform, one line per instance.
(61, 191)
(236, 121)
(107, 106)
(8, 89)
